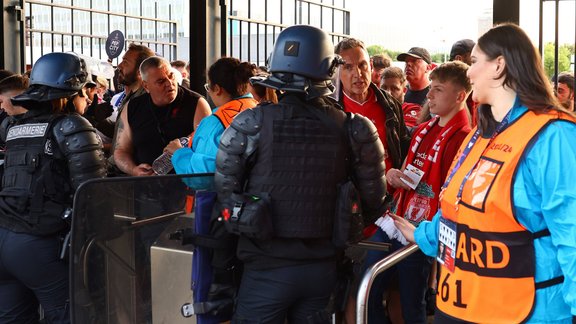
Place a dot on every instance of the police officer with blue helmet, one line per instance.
(48, 156)
(280, 169)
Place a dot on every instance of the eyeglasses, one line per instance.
(207, 87)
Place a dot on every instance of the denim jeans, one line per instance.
(31, 272)
(412, 275)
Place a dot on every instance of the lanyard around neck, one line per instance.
(466, 152)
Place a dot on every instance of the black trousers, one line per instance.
(293, 293)
(31, 272)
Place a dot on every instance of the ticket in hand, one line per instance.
(414, 174)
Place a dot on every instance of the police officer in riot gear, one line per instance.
(294, 156)
(48, 155)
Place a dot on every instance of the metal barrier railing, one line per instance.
(372, 273)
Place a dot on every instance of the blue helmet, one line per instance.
(306, 51)
(55, 75)
(303, 61)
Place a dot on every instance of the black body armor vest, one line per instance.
(35, 187)
(300, 162)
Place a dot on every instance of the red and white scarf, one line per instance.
(410, 204)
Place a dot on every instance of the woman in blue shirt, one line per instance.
(228, 87)
(525, 230)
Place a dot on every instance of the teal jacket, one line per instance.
(201, 156)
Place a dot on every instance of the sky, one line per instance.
(436, 25)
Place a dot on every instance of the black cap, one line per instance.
(461, 47)
(417, 52)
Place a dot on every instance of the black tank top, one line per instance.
(153, 127)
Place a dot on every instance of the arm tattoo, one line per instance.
(117, 133)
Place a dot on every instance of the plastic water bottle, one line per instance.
(163, 164)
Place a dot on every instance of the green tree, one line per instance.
(570, 48)
(375, 49)
(563, 58)
(393, 54)
(439, 57)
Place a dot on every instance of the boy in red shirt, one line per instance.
(417, 186)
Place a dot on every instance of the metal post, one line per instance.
(321, 17)
(541, 29)
(240, 40)
(141, 20)
(223, 29)
(22, 39)
(12, 23)
(249, 59)
(230, 30)
(346, 16)
(506, 11)
(309, 13)
(156, 27)
(265, 32)
(295, 12)
(125, 27)
(333, 20)
(556, 45)
(371, 274)
(51, 28)
(174, 32)
(72, 25)
(257, 44)
(92, 33)
(198, 44)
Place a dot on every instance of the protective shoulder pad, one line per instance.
(74, 134)
(362, 129)
(233, 141)
(71, 124)
(249, 121)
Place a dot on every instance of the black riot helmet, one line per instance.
(303, 60)
(54, 75)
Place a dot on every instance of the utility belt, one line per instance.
(249, 215)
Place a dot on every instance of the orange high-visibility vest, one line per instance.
(493, 277)
(229, 110)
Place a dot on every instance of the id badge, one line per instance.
(414, 174)
(446, 253)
